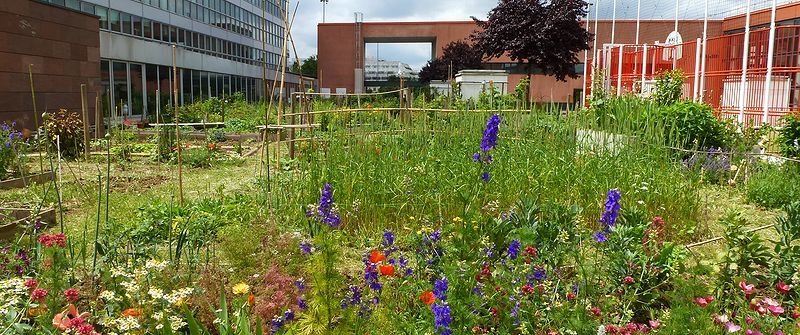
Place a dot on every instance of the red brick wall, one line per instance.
(64, 48)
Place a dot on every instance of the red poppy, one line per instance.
(133, 312)
(251, 300)
(211, 145)
(427, 297)
(783, 287)
(386, 270)
(376, 257)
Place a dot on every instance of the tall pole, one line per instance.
(619, 70)
(697, 55)
(675, 47)
(702, 92)
(745, 64)
(585, 64)
(324, 2)
(595, 54)
(614, 22)
(638, 19)
(770, 55)
(177, 127)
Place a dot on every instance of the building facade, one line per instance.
(381, 70)
(220, 47)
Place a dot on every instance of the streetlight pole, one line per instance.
(324, 2)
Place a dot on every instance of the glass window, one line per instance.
(179, 7)
(195, 40)
(173, 34)
(212, 77)
(120, 88)
(125, 20)
(147, 28)
(151, 85)
(156, 30)
(113, 18)
(186, 97)
(102, 12)
(137, 90)
(87, 8)
(60, 2)
(105, 78)
(163, 4)
(73, 4)
(137, 25)
(165, 32)
(181, 37)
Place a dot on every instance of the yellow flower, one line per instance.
(241, 288)
(458, 220)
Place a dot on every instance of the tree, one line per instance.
(544, 34)
(309, 67)
(459, 54)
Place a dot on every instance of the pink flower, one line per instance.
(732, 327)
(38, 294)
(71, 294)
(31, 284)
(655, 324)
(702, 302)
(50, 240)
(747, 288)
(783, 287)
(628, 280)
(776, 310)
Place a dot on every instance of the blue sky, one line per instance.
(310, 13)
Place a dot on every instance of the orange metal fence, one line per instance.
(718, 82)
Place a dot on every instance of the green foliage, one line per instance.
(786, 267)
(67, 127)
(669, 87)
(692, 125)
(790, 136)
(773, 186)
(12, 151)
(747, 256)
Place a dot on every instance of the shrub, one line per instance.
(692, 125)
(10, 147)
(790, 136)
(68, 128)
(774, 186)
(669, 87)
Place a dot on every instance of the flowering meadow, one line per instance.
(524, 222)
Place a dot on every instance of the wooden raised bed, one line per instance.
(12, 218)
(27, 180)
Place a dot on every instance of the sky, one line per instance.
(309, 14)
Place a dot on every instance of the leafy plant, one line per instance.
(12, 149)
(747, 256)
(67, 127)
(669, 87)
(692, 125)
(773, 186)
(790, 135)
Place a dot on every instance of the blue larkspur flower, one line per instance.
(539, 274)
(388, 238)
(288, 315)
(513, 249)
(489, 140)
(305, 248)
(325, 211)
(610, 215)
(301, 284)
(600, 237)
(301, 303)
(440, 289)
(442, 318)
(485, 176)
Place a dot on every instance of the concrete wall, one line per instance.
(64, 48)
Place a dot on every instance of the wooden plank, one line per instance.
(23, 182)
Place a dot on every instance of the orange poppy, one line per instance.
(62, 320)
(386, 270)
(251, 300)
(427, 297)
(376, 257)
(134, 312)
(211, 145)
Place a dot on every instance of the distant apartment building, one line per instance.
(382, 70)
(220, 48)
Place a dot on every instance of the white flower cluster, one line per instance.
(124, 324)
(156, 265)
(108, 296)
(177, 297)
(13, 293)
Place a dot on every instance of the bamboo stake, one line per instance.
(97, 117)
(177, 127)
(35, 114)
(85, 113)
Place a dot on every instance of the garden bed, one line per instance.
(27, 180)
(11, 219)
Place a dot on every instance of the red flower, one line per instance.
(376, 257)
(386, 270)
(31, 284)
(527, 289)
(49, 240)
(747, 288)
(702, 302)
(251, 300)
(134, 312)
(186, 145)
(71, 294)
(211, 146)
(709, 299)
(427, 297)
(530, 251)
(595, 311)
(570, 296)
(38, 294)
(628, 280)
(783, 287)
(796, 312)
